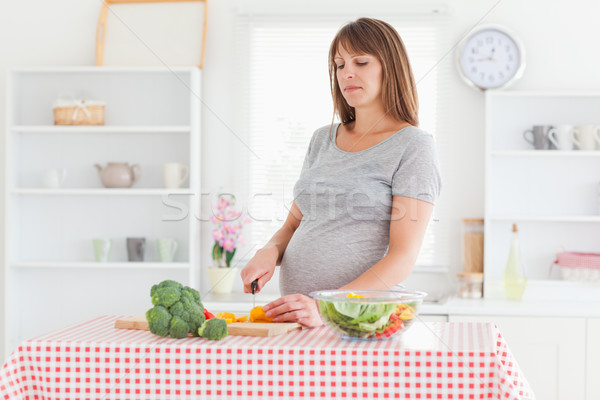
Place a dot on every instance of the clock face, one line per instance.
(490, 58)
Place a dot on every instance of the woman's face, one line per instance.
(359, 77)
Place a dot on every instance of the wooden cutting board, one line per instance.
(235, 328)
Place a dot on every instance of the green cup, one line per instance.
(166, 249)
(102, 249)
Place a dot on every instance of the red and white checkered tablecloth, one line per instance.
(93, 360)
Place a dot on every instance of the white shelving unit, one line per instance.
(152, 117)
(98, 192)
(139, 265)
(552, 195)
(100, 129)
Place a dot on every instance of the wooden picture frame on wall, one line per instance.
(152, 33)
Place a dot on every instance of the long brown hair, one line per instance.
(377, 38)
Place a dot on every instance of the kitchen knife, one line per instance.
(253, 287)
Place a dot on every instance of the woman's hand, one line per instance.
(261, 267)
(294, 308)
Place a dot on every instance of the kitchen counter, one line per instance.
(93, 360)
(498, 307)
(242, 302)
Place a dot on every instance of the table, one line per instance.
(93, 360)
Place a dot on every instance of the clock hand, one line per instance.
(490, 58)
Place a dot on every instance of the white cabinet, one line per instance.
(550, 351)
(593, 359)
(152, 118)
(552, 195)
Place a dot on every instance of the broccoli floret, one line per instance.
(159, 320)
(180, 310)
(179, 328)
(193, 294)
(197, 318)
(213, 329)
(176, 308)
(192, 313)
(165, 296)
(164, 284)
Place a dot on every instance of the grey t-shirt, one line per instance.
(346, 200)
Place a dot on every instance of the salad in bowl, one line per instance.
(368, 314)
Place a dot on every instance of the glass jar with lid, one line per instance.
(470, 285)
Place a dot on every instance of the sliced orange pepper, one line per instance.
(257, 314)
(230, 317)
(227, 316)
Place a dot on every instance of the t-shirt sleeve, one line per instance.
(418, 173)
(309, 157)
(306, 162)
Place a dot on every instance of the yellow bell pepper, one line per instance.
(355, 296)
(405, 312)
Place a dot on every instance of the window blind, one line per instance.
(283, 96)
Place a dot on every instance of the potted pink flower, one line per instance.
(227, 234)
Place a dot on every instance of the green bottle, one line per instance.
(514, 281)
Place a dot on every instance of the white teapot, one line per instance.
(119, 174)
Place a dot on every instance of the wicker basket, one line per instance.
(78, 112)
(576, 266)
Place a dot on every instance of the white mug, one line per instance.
(561, 136)
(175, 174)
(586, 136)
(54, 177)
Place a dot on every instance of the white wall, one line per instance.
(559, 35)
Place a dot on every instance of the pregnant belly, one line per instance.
(310, 265)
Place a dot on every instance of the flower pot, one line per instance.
(221, 279)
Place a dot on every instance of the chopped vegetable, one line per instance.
(213, 329)
(356, 296)
(367, 320)
(208, 314)
(227, 316)
(405, 312)
(395, 324)
(257, 314)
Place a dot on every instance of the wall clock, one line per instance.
(490, 57)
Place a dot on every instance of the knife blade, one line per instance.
(253, 287)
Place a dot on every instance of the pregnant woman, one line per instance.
(367, 187)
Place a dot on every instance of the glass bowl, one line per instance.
(375, 315)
